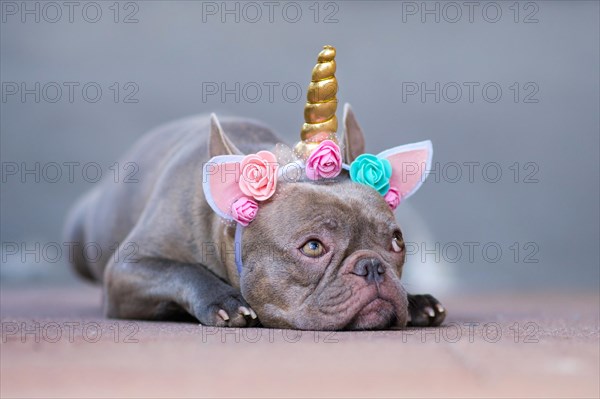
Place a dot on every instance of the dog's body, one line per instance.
(166, 254)
(166, 194)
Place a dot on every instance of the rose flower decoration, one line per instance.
(259, 175)
(392, 197)
(372, 171)
(244, 210)
(324, 162)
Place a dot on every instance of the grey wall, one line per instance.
(551, 131)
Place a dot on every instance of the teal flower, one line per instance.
(374, 172)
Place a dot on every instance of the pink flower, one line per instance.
(244, 210)
(259, 175)
(392, 197)
(324, 162)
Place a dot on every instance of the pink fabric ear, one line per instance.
(221, 183)
(410, 166)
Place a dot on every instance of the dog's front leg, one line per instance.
(152, 288)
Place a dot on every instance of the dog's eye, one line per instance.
(313, 249)
(397, 243)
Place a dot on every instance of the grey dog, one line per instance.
(176, 258)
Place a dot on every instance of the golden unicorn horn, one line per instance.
(319, 110)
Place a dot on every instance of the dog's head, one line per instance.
(325, 254)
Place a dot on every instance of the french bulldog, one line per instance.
(324, 255)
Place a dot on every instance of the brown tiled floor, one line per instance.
(554, 353)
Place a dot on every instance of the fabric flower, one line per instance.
(324, 162)
(259, 175)
(372, 171)
(244, 210)
(392, 197)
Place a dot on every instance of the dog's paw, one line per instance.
(425, 311)
(229, 310)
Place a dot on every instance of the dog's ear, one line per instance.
(219, 143)
(354, 140)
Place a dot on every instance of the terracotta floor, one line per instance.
(492, 346)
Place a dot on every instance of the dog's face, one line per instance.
(325, 256)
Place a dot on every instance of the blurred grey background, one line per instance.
(532, 116)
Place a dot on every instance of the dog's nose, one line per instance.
(370, 268)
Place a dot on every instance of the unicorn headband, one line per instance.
(236, 185)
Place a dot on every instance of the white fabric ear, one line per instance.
(220, 182)
(410, 166)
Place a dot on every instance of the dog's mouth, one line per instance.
(377, 314)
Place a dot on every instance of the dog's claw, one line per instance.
(228, 311)
(430, 312)
(223, 314)
(244, 310)
(253, 314)
(440, 308)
